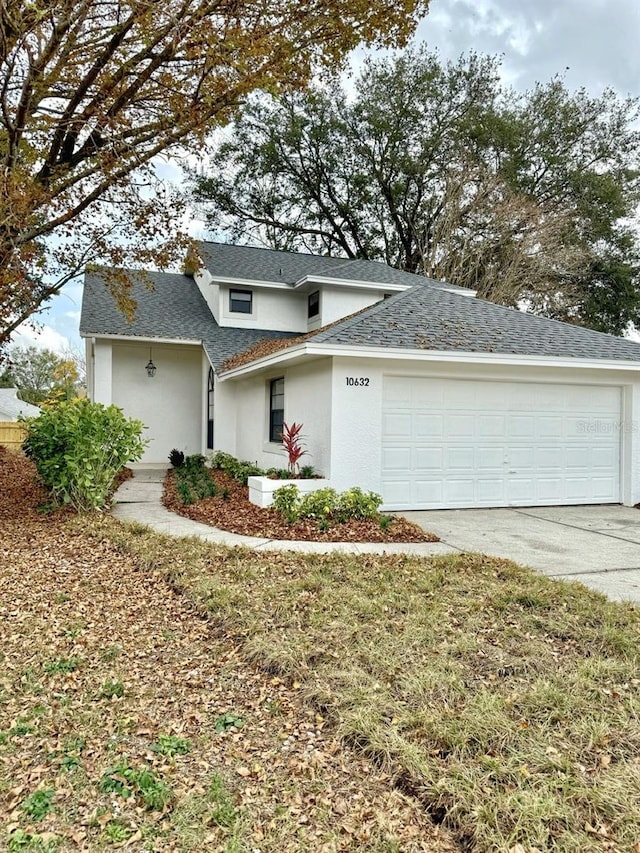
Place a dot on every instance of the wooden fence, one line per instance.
(12, 434)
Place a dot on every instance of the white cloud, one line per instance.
(43, 337)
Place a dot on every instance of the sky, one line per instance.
(588, 43)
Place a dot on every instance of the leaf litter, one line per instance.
(101, 661)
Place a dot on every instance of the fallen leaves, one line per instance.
(104, 668)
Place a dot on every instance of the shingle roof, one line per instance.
(422, 318)
(11, 407)
(252, 263)
(175, 309)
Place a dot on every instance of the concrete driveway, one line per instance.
(596, 545)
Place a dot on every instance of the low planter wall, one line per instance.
(261, 489)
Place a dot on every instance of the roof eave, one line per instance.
(311, 349)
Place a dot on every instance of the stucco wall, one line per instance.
(170, 404)
(338, 302)
(307, 400)
(356, 424)
(273, 308)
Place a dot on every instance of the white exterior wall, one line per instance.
(338, 302)
(210, 291)
(169, 404)
(307, 400)
(356, 423)
(279, 309)
(101, 388)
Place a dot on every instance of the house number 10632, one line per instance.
(358, 380)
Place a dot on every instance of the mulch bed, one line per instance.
(236, 514)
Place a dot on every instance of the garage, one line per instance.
(454, 443)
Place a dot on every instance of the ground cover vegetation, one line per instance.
(219, 496)
(127, 721)
(329, 702)
(93, 94)
(439, 169)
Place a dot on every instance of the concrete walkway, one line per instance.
(140, 499)
(596, 545)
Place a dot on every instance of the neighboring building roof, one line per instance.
(257, 264)
(11, 407)
(173, 309)
(426, 319)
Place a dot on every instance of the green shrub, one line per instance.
(320, 505)
(238, 469)
(354, 503)
(79, 447)
(193, 481)
(176, 458)
(286, 500)
(195, 462)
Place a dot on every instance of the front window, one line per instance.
(276, 409)
(241, 301)
(210, 401)
(314, 304)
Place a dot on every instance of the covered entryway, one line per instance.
(468, 443)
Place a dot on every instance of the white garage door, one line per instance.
(459, 443)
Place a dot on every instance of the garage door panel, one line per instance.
(428, 491)
(427, 425)
(427, 458)
(464, 443)
(397, 424)
(491, 426)
(460, 458)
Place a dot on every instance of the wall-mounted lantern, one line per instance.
(150, 367)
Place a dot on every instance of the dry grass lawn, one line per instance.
(375, 695)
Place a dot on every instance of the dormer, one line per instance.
(328, 300)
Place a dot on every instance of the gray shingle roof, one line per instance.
(175, 309)
(424, 318)
(252, 263)
(11, 407)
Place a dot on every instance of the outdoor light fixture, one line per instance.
(150, 368)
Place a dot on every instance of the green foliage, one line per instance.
(79, 447)
(41, 374)
(143, 784)
(227, 721)
(286, 500)
(222, 811)
(111, 689)
(326, 506)
(37, 805)
(307, 472)
(439, 169)
(236, 468)
(176, 458)
(172, 745)
(61, 665)
(31, 841)
(354, 503)
(321, 505)
(193, 481)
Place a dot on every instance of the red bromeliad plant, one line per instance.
(291, 441)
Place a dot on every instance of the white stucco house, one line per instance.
(12, 408)
(410, 387)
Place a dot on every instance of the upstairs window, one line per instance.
(313, 304)
(276, 409)
(241, 301)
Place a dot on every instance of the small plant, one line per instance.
(237, 469)
(286, 500)
(292, 443)
(111, 689)
(117, 832)
(176, 458)
(195, 461)
(223, 812)
(307, 472)
(229, 721)
(31, 841)
(354, 503)
(386, 521)
(171, 745)
(38, 805)
(61, 665)
(143, 784)
(320, 505)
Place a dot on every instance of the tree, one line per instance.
(92, 92)
(440, 170)
(41, 374)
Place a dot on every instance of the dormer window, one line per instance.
(241, 301)
(313, 304)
